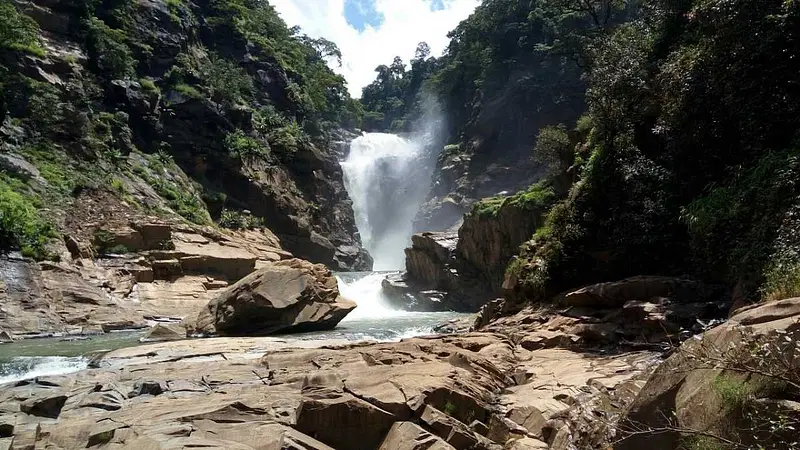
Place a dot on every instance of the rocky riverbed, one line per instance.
(474, 390)
(560, 378)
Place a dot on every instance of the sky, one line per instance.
(372, 32)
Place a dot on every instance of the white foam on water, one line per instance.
(368, 295)
(26, 367)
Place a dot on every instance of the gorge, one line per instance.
(577, 228)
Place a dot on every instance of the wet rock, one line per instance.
(409, 436)
(292, 295)
(5, 337)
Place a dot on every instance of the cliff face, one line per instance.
(200, 112)
(465, 269)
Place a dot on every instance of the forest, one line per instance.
(670, 129)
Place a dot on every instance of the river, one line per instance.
(387, 178)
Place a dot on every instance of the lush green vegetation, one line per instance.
(513, 64)
(21, 227)
(691, 166)
(266, 87)
(537, 198)
(18, 31)
(239, 220)
(395, 98)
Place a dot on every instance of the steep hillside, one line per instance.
(511, 68)
(210, 113)
(692, 161)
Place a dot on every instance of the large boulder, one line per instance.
(737, 382)
(286, 296)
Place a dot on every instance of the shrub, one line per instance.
(239, 220)
(108, 50)
(148, 85)
(228, 82)
(117, 185)
(241, 146)
(21, 227)
(539, 196)
(554, 149)
(18, 31)
(782, 281)
(733, 392)
(103, 240)
(188, 91)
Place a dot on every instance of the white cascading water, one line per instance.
(387, 177)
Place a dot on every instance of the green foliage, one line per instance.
(284, 135)
(319, 94)
(37, 104)
(108, 50)
(180, 194)
(105, 243)
(737, 219)
(449, 408)
(702, 443)
(227, 81)
(117, 185)
(394, 99)
(148, 85)
(691, 116)
(733, 392)
(554, 149)
(782, 280)
(21, 226)
(242, 146)
(189, 91)
(239, 220)
(110, 135)
(538, 197)
(18, 31)
(175, 8)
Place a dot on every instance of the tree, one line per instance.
(17, 31)
(423, 52)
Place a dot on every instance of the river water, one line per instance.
(387, 178)
(372, 320)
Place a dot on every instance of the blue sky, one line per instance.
(362, 13)
(372, 32)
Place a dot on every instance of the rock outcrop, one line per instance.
(737, 382)
(465, 269)
(175, 271)
(158, 132)
(538, 379)
(286, 296)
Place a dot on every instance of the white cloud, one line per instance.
(406, 23)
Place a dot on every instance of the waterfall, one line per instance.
(387, 177)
